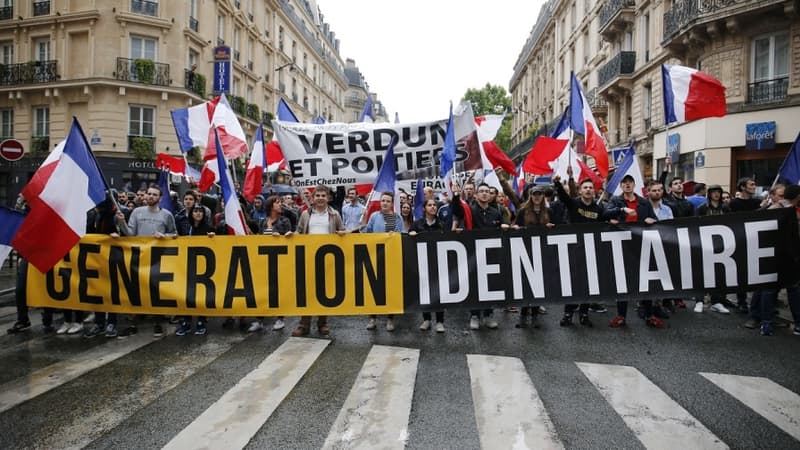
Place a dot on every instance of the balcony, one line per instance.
(596, 102)
(194, 82)
(142, 147)
(267, 117)
(623, 63)
(252, 112)
(684, 17)
(144, 7)
(6, 12)
(40, 145)
(237, 104)
(354, 103)
(193, 24)
(615, 16)
(768, 91)
(32, 72)
(41, 8)
(142, 71)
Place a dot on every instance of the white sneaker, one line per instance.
(439, 327)
(371, 324)
(278, 325)
(542, 310)
(63, 328)
(698, 306)
(720, 308)
(389, 324)
(255, 326)
(89, 318)
(490, 322)
(474, 323)
(75, 328)
(426, 325)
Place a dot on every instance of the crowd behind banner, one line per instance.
(478, 249)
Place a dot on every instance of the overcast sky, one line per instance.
(419, 55)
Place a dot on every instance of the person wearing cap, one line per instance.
(632, 208)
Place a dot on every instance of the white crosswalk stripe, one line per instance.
(769, 399)
(656, 420)
(41, 381)
(508, 410)
(375, 413)
(233, 420)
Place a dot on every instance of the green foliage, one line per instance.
(200, 84)
(145, 69)
(142, 148)
(492, 100)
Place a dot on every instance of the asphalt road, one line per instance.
(155, 388)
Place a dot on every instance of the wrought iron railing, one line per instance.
(41, 8)
(193, 24)
(237, 104)
(252, 112)
(267, 117)
(354, 103)
(144, 7)
(595, 99)
(683, 12)
(6, 12)
(40, 145)
(194, 82)
(611, 8)
(769, 91)
(143, 71)
(622, 64)
(29, 73)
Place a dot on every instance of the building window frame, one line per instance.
(772, 70)
(139, 47)
(7, 122)
(139, 124)
(41, 121)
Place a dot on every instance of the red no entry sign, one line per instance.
(11, 149)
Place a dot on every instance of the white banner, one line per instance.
(346, 154)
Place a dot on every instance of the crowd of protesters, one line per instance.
(323, 210)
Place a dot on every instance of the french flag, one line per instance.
(447, 159)
(228, 129)
(253, 179)
(274, 156)
(690, 94)
(166, 198)
(68, 184)
(628, 166)
(385, 182)
(790, 169)
(10, 221)
(192, 125)
(582, 122)
(488, 126)
(234, 218)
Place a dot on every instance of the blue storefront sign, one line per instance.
(222, 69)
(760, 136)
(674, 147)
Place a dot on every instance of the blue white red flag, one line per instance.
(166, 198)
(60, 194)
(285, 113)
(367, 114)
(582, 122)
(690, 94)
(254, 177)
(234, 218)
(419, 200)
(385, 182)
(10, 221)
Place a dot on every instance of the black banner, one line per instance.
(601, 262)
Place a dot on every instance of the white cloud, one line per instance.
(419, 55)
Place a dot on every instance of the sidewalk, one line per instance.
(8, 280)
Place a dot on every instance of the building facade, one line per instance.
(752, 47)
(121, 66)
(357, 94)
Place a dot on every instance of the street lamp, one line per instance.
(291, 69)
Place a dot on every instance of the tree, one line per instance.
(492, 100)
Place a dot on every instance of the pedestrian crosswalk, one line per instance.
(511, 405)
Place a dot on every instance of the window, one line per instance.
(646, 36)
(143, 47)
(770, 59)
(193, 58)
(647, 106)
(280, 38)
(7, 52)
(41, 49)
(141, 121)
(41, 124)
(220, 30)
(249, 94)
(235, 86)
(294, 51)
(6, 123)
(236, 44)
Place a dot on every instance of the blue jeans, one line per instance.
(762, 304)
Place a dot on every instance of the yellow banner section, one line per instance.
(227, 276)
